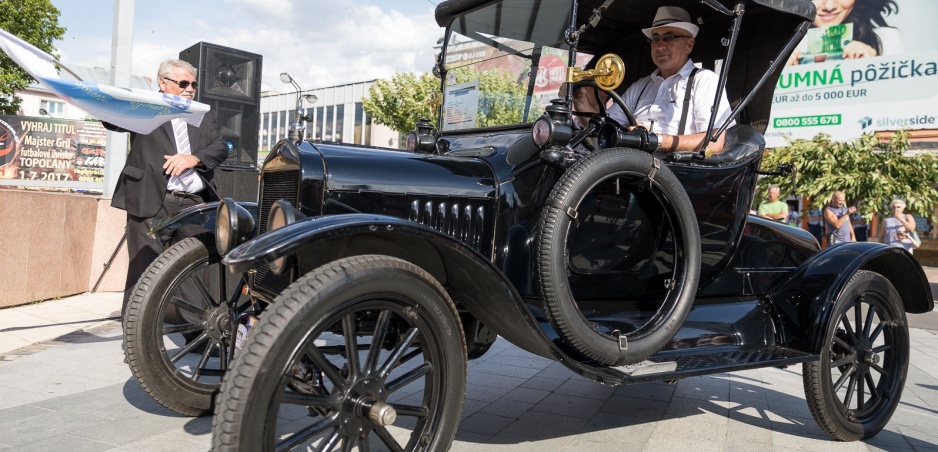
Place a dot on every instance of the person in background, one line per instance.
(872, 36)
(816, 223)
(837, 220)
(897, 219)
(794, 217)
(773, 209)
(904, 240)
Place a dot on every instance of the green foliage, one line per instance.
(398, 103)
(866, 170)
(36, 22)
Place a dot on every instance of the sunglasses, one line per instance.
(183, 84)
(667, 38)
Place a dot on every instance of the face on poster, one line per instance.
(864, 66)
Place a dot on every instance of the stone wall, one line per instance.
(55, 245)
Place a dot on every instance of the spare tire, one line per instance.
(662, 316)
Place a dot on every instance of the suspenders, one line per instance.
(690, 86)
(687, 93)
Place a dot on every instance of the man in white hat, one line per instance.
(662, 101)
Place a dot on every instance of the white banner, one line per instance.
(135, 110)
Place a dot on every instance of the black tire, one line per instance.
(556, 226)
(294, 365)
(177, 331)
(837, 387)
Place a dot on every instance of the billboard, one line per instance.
(52, 153)
(851, 75)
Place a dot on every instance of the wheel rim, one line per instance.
(387, 397)
(863, 361)
(196, 326)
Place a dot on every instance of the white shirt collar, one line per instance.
(684, 72)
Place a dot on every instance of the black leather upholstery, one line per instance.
(741, 143)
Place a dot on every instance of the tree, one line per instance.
(866, 169)
(398, 103)
(36, 22)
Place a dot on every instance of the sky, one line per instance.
(320, 43)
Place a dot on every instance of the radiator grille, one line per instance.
(274, 187)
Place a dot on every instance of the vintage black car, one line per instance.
(349, 297)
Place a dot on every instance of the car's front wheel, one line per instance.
(855, 387)
(363, 353)
(179, 324)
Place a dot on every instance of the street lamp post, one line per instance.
(296, 130)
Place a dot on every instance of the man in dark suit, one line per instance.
(167, 170)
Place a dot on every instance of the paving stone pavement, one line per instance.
(75, 393)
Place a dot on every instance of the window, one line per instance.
(282, 125)
(328, 120)
(53, 109)
(367, 139)
(359, 115)
(339, 122)
(320, 119)
(265, 132)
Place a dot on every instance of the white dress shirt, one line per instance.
(662, 102)
(176, 182)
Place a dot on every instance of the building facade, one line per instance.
(337, 115)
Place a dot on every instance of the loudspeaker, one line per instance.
(230, 83)
(239, 184)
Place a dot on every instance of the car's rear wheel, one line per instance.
(363, 353)
(178, 327)
(856, 386)
(643, 184)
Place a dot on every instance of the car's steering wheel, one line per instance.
(602, 106)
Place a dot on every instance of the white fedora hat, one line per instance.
(672, 16)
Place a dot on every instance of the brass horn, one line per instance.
(608, 73)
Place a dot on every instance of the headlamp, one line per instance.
(234, 225)
(553, 127)
(423, 139)
(281, 214)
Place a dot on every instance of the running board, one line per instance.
(647, 368)
(674, 366)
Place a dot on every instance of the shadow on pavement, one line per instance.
(630, 407)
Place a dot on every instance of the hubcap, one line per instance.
(365, 406)
(218, 323)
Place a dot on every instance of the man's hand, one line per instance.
(851, 210)
(177, 164)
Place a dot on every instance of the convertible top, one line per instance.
(766, 28)
(642, 11)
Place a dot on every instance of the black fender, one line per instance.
(804, 300)
(199, 216)
(474, 282)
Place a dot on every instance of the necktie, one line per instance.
(182, 140)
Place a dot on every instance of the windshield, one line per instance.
(490, 55)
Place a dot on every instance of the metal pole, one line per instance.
(121, 47)
(107, 264)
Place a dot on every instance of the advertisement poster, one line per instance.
(844, 83)
(56, 153)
